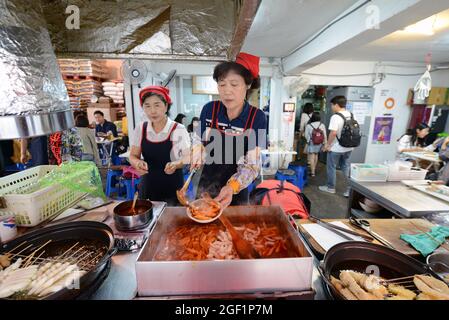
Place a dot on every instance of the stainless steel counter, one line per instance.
(121, 283)
(399, 199)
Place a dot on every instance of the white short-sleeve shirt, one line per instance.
(180, 136)
(336, 124)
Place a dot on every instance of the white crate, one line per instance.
(394, 174)
(369, 172)
(33, 208)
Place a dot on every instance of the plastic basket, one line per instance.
(32, 208)
(411, 174)
(369, 172)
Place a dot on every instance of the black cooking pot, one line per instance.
(367, 258)
(125, 220)
(77, 231)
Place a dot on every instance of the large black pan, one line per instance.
(78, 231)
(367, 258)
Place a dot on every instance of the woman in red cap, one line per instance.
(233, 132)
(162, 143)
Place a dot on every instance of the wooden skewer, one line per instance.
(68, 250)
(28, 260)
(27, 247)
(16, 247)
(38, 257)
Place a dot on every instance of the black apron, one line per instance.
(216, 175)
(156, 185)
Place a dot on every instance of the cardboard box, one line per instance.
(437, 96)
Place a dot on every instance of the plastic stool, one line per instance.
(130, 187)
(287, 175)
(112, 182)
(301, 174)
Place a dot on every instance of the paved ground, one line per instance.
(325, 205)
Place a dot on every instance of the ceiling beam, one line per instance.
(355, 30)
(245, 19)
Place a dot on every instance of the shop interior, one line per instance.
(390, 60)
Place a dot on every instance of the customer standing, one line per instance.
(338, 155)
(306, 115)
(315, 134)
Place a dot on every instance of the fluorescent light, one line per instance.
(424, 27)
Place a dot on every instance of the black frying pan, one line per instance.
(78, 230)
(363, 257)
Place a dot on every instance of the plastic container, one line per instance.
(32, 208)
(369, 172)
(395, 174)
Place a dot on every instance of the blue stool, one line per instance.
(113, 182)
(287, 175)
(301, 174)
(116, 160)
(130, 187)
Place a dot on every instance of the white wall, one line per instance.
(362, 73)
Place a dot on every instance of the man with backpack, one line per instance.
(344, 135)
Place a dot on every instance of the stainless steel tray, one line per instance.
(169, 278)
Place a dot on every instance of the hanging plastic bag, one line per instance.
(80, 176)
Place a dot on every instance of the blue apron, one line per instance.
(216, 175)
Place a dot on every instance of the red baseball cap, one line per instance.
(250, 62)
(163, 91)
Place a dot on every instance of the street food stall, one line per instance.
(63, 238)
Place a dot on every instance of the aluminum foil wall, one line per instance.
(30, 81)
(195, 27)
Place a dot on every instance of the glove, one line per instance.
(423, 86)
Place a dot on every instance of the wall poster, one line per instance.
(383, 127)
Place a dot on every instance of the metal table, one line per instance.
(121, 283)
(431, 157)
(397, 198)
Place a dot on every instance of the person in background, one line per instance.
(38, 150)
(79, 143)
(413, 141)
(337, 155)
(306, 115)
(301, 146)
(163, 143)
(103, 127)
(180, 118)
(313, 131)
(442, 176)
(194, 130)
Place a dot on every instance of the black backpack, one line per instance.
(350, 134)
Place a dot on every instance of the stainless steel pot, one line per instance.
(367, 257)
(439, 263)
(125, 220)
